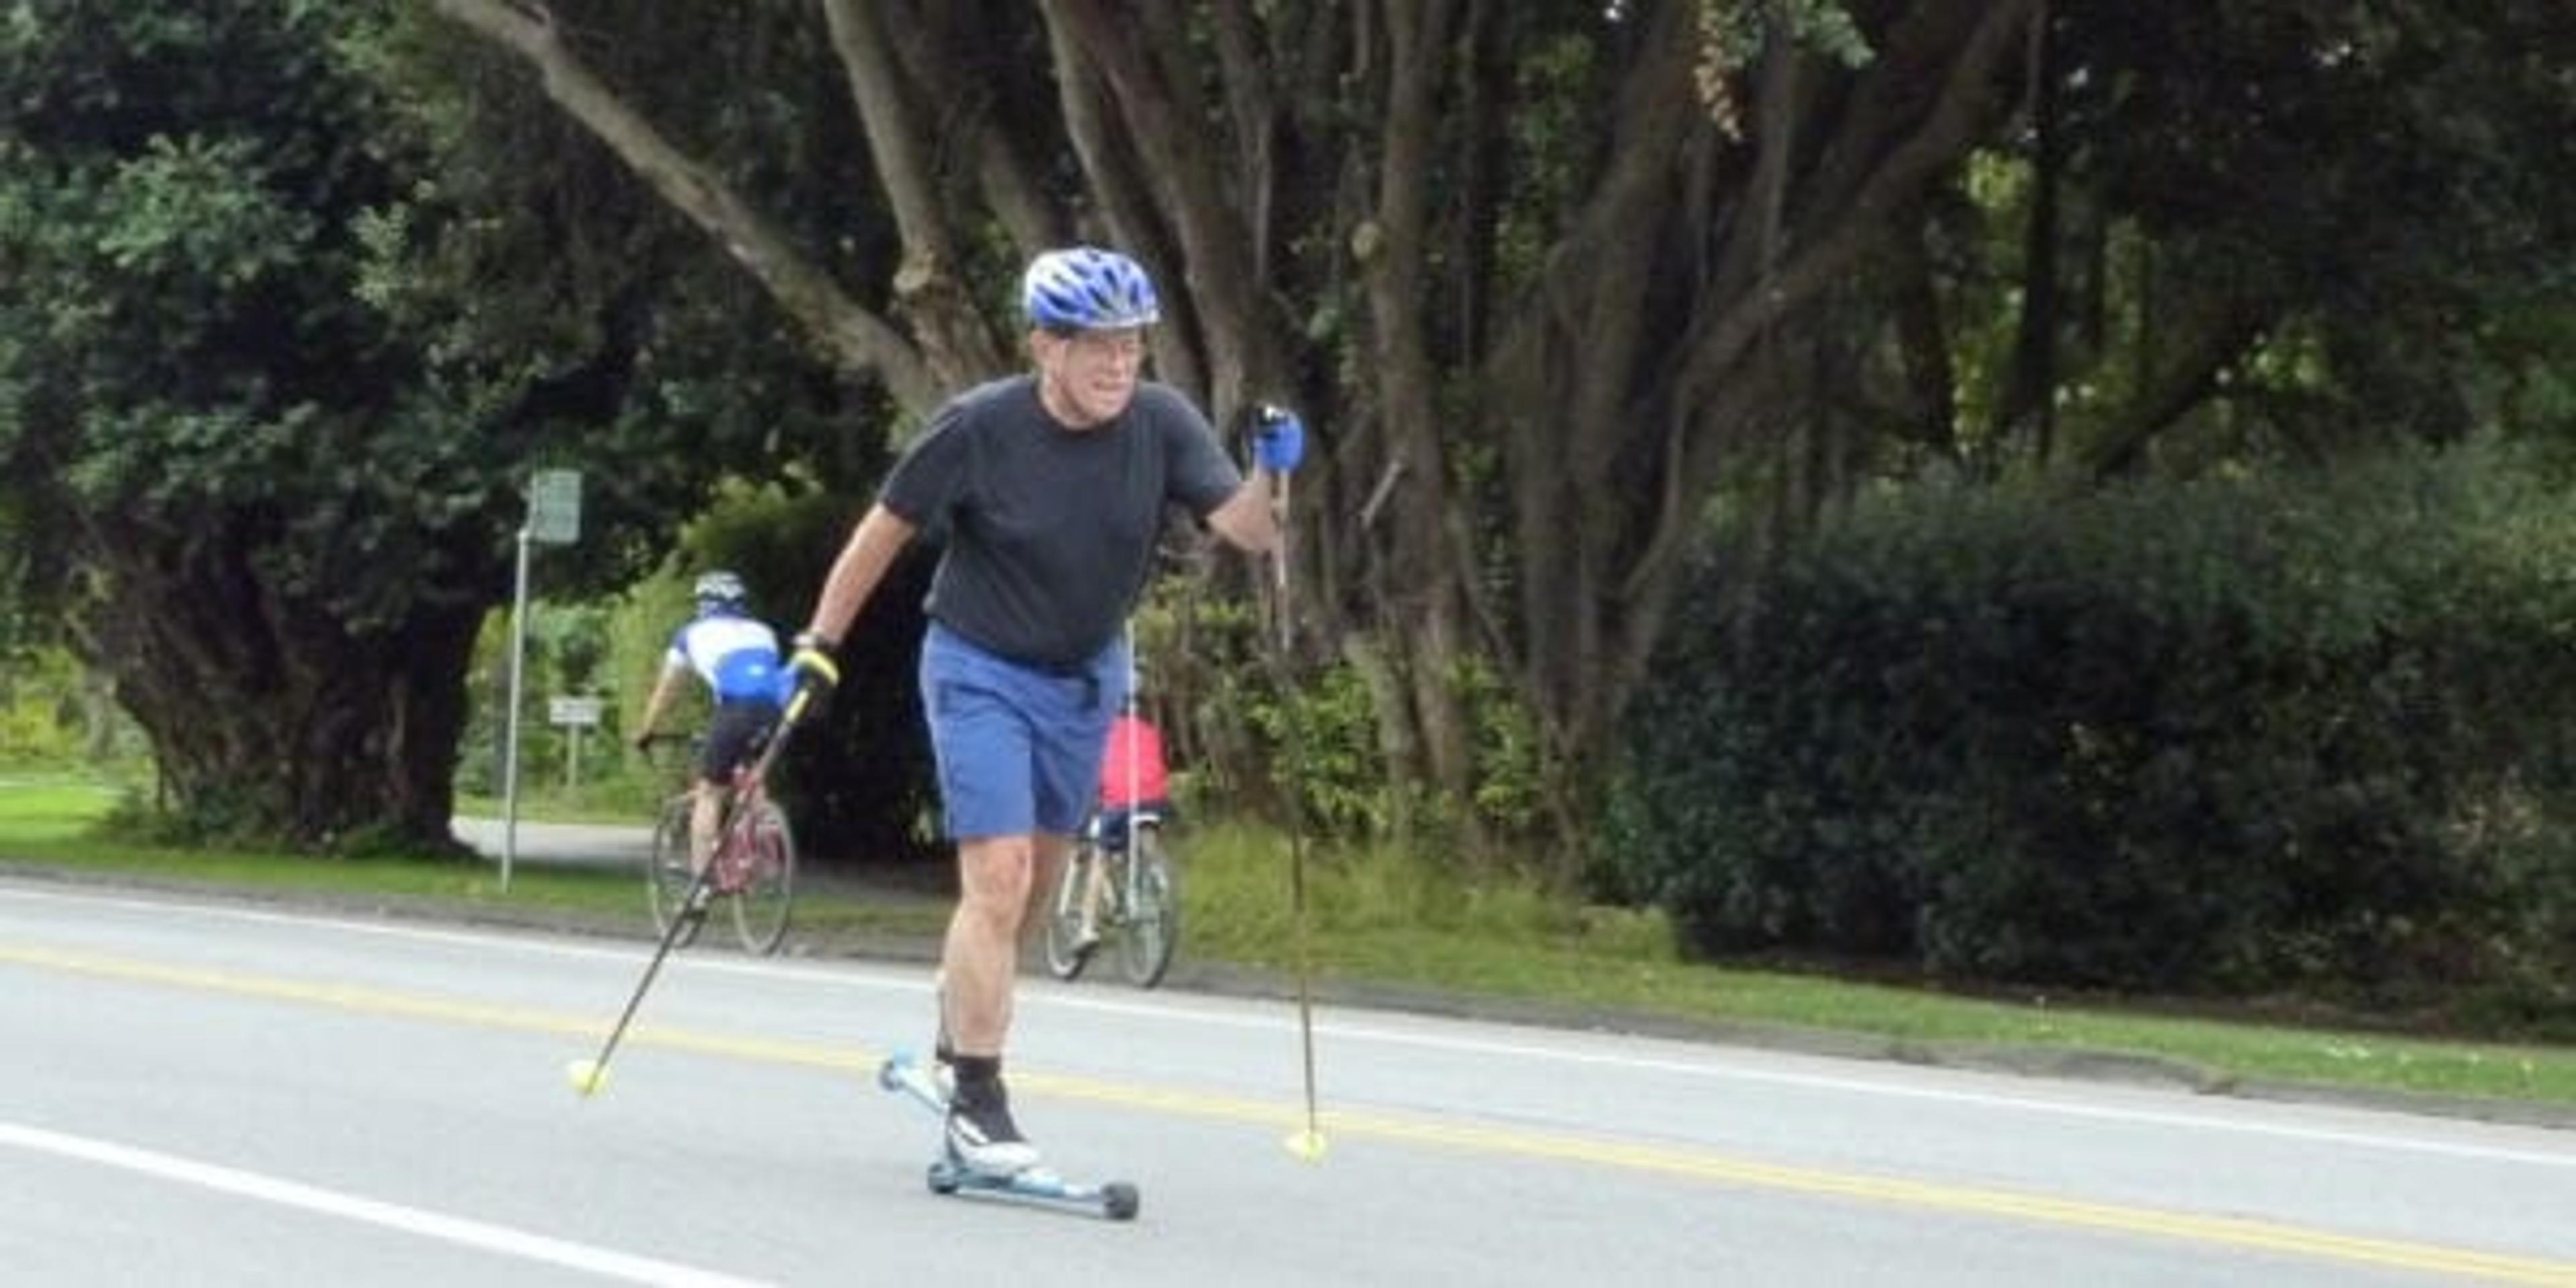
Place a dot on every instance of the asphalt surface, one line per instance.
(610, 845)
(606, 845)
(211, 1092)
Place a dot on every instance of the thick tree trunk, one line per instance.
(2032, 387)
(1418, 590)
(270, 719)
(1628, 394)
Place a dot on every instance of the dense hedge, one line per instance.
(2232, 736)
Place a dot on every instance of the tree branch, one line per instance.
(2184, 383)
(961, 350)
(1843, 221)
(855, 337)
(1848, 214)
(1251, 105)
(1393, 258)
(1130, 211)
(1178, 161)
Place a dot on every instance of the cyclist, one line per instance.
(1051, 487)
(736, 654)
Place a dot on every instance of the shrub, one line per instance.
(2229, 735)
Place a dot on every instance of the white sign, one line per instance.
(554, 507)
(578, 712)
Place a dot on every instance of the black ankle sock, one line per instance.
(977, 1070)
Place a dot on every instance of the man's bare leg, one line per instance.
(706, 811)
(706, 814)
(976, 970)
(981, 956)
(1052, 852)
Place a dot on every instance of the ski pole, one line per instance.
(1309, 1143)
(588, 1076)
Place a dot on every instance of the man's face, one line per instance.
(1089, 376)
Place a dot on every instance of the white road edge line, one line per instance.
(393, 1216)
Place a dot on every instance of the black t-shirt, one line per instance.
(1051, 530)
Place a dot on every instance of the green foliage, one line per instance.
(1738, 30)
(573, 650)
(37, 721)
(2369, 180)
(1324, 743)
(2234, 735)
(857, 777)
(1408, 901)
(297, 302)
(55, 713)
(224, 475)
(1512, 767)
(1247, 738)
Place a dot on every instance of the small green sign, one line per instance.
(554, 507)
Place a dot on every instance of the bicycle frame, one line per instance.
(1140, 914)
(735, 854)
(750, 863)
(1132, 911)
(1101, 839)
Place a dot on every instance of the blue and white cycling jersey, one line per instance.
(737, 656)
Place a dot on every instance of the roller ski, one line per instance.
(1001, 1176)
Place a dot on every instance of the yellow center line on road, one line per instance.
(2265, 1236)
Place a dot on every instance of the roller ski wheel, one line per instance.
(1042, 1186)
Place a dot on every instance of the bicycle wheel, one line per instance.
(666, 881)
(1064, 914)
(765, 854)
(1152, 912)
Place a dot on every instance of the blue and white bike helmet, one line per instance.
(720, 591)
(1088, 289)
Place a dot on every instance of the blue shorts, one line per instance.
(1018, 746)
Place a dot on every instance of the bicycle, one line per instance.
(1119, 868)
(753, 868)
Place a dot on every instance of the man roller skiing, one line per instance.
(1051, 486)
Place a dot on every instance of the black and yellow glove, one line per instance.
(816, 675)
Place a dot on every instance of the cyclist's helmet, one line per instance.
(1087, 289)
(720, 591)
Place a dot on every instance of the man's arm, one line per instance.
(1247, 520)
(1250, 518)
(880, 535)
(663, 688)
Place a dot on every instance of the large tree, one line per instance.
(1529, 268)
(2232, 231)
(269, 391)
(244, 520)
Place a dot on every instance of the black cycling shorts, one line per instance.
(735, 735)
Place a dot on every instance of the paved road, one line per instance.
(214, 1094)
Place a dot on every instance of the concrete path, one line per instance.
(561, 844)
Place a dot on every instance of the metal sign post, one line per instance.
(554, 518)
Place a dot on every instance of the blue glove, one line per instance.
(1278, 439)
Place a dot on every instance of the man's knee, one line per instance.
(994, 877)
